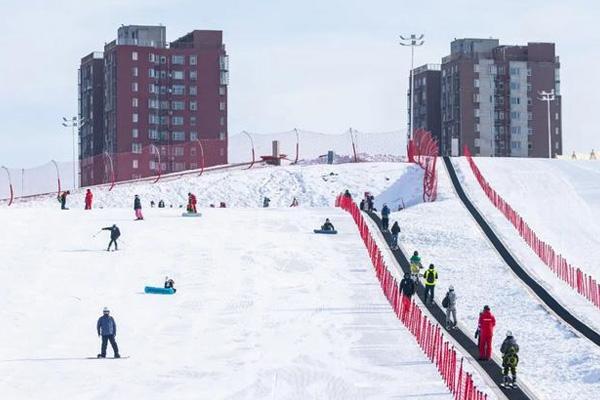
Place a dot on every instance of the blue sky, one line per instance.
(318, 65)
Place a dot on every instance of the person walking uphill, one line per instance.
(114, 235)
(137, 206)
(107, 329)
(88, 199)
(487, 322)
(510, 359)
(385, 217)
(431, 277)
(449, 303)
(395, 232)
(408, 288)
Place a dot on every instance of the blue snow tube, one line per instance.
(158, 290)
(329, 232)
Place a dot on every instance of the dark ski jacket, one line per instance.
(395, 228)
(407, 286)
(508, 343)
(327, 226)
(362, 205)
(509, 350)
(114, 232)
(169, 283)
(137, 204)
(106, 326)
(385, 212)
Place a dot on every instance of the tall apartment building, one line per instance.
(154, 99)
(426, 99)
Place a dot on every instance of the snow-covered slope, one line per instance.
(553, 360)
(265, 309)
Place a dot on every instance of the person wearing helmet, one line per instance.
(385, 217)
(510, 359)
(114, 235)
(487, 322)
(107, 329)
(449, 303)
(170, 284)
(431, 277)
(415, 265)
(327, 226)
(395, 232)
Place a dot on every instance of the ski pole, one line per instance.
(96, 234)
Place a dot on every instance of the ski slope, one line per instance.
(256, 315)
(554, 362)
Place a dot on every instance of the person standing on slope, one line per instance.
(192, 203)
(487, 322)
(114, 235)
(395, 232)
(63, 200)
(510, 359)
(408, 288)
(266, 202)
(107, 329)
(449, 303)
(88, 199)
(137, 206)
(431, 277)
(294, 202)
(385, 217)
(415, 265)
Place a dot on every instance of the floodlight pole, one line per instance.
(548, 97)
(412, 41)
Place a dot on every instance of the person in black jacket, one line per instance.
(395, 232)
(170, 284)
(327, 226)
(407, 285)
(114, 235)
(137, 206)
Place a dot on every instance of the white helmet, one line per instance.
(509, 333)
(105, 309)
(451, 287)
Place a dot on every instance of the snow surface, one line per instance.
(264, 310)
(554, 361)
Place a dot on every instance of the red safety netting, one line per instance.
(429, 336)
(423, 150)
(584, 284)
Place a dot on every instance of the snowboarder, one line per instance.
(395, 232)
(294, 202)
(222, 205)
(510, 359)
(152, 203)
(161, 204)
(191, 207)
(107, 329)
(415, 265)
(449, 303)
(266, 202)
(431, 277)
(487, 322)
(347, 194)
(137, 206)
(88, 199)
(170, 283)
(327, 226)
(114, 235)
(63, 200)
(385, 217)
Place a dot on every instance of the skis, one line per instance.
(509, 385)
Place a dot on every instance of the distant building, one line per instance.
(142, 96)
(426, 101)
(489, 99)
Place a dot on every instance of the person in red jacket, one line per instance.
(487, 322)
(192, 203)
(88, 199)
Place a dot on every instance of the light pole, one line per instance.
(412, 41)
(548, 97)
(72, 123)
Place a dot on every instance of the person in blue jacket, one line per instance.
(385, 217)
(107, 329)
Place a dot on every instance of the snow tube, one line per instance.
(158, 290)
(187, 214)
(325, 232)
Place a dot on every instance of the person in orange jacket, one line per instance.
(487, 322)
(88, 199)
(192, 203)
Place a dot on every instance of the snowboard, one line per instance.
(107, 358)
(158, 290)
(325, 232)
(187, 214)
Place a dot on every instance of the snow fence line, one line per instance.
(584, 284)
(429, 336)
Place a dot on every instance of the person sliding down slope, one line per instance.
(191, 207)
(114, 235)
(107, 329)
(170, 284)
(327, 226)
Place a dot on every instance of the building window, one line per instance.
(529, 87)
(134, 56)
(163, 119)
(476, 97)
(134, 86)
(222, 121)
(163, 90)
(152, 58)
(178, 89)
(476, 83)
(515, 85)
(177, 74)
(134, 71)
(134, 133)
(556, 116)
(135, 164)
(193, 60)
(193, 136)
(163, 59)
(224, 78)
(222, 90)
(556, 131)
(192, 153)
(164, 135)
(529, 101)
(152, 88)
(515, 71)
(136, 148)
(193, 121)
(222, 106)
(153, 119)
(515, 115)
(178, 60)
(477, 127)
(222, 135)
(152, 73)
(193, 75)
(177, 105)
(177, 150)
(134, 117)
(222, 152)
(178, 135)
(515, 100)
(153, 104)
(153, 134)
(475, 67)
(193, 90)
(177, 120)
(529, 116)
(134, 101)
(528, 71)
(477, 113)
(193, 106)
(153, 165)
(515, 130)
(530, 131)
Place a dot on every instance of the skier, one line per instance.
(107, 328)
(170, 283)
(487, 322)
(294, 202)
(449, 303)
(510, 359)
(415, 265)
(395, 232)
(327, 226)
(137, 206)
(385, 217)
(266, 202)
(63, 200)
(88, 199)
(431, 277)
(191, 208)
(114, 235)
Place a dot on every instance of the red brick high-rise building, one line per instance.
(156, 102)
